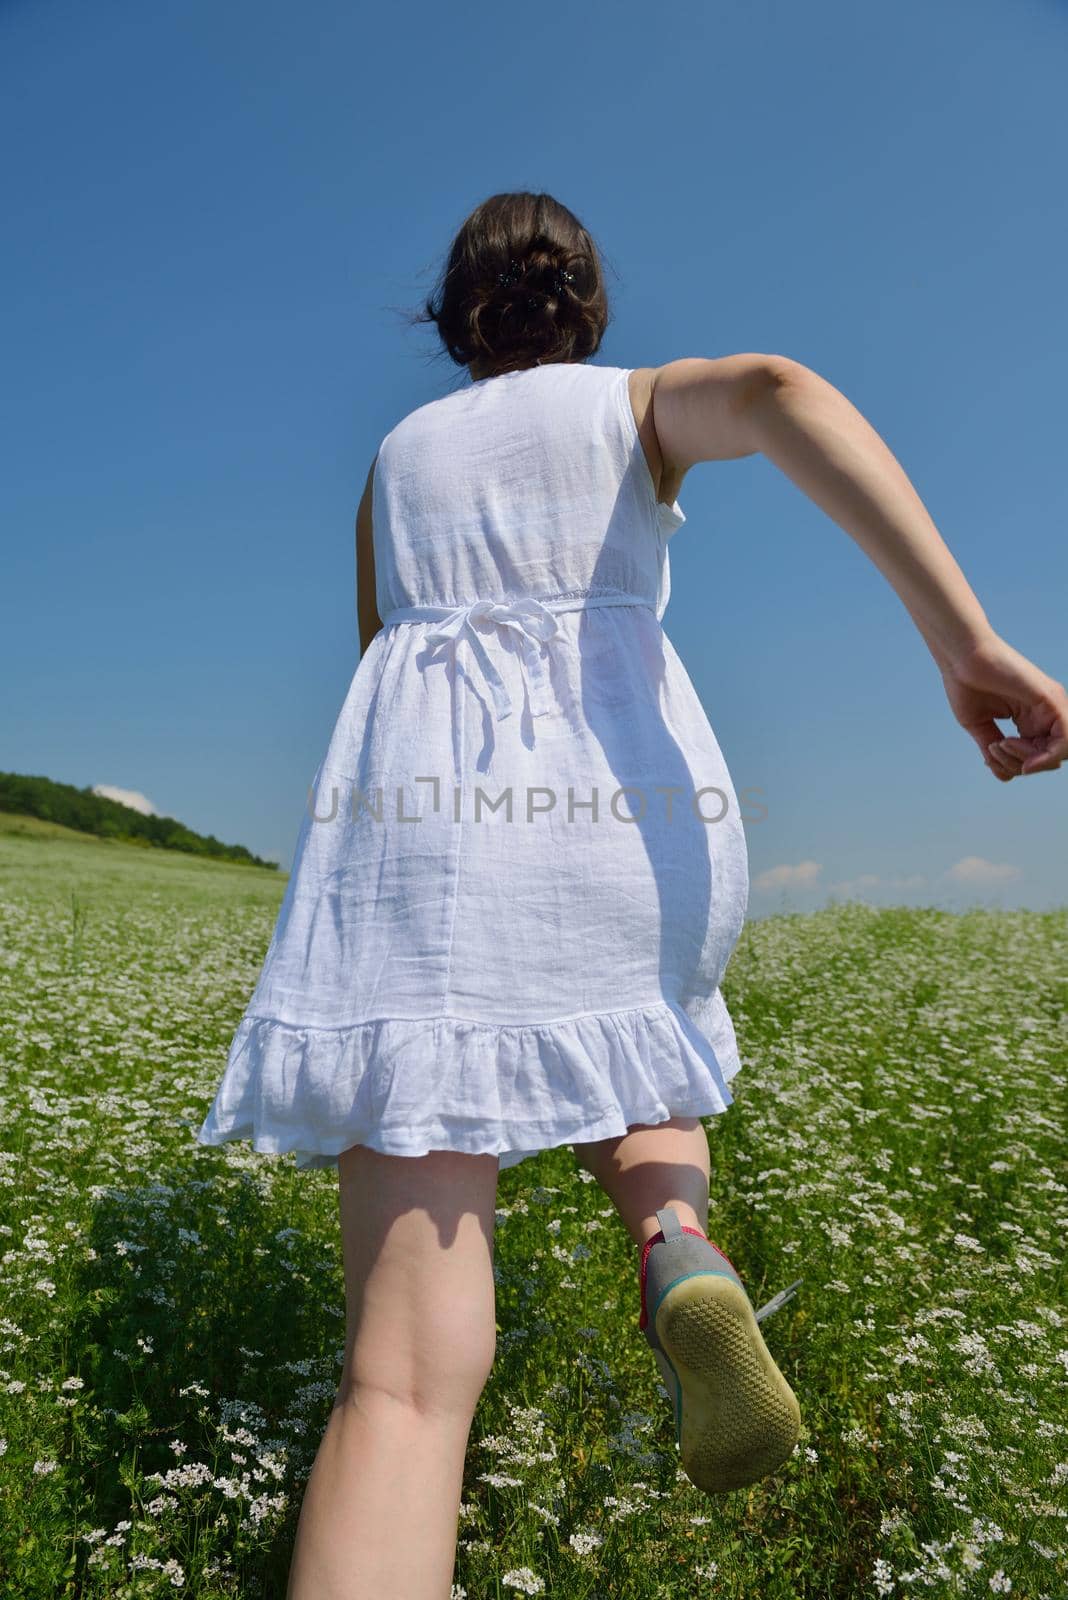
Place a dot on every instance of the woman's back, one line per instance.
(530, 483)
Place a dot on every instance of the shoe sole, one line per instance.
(737, 1417)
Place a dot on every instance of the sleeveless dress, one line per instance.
(521, 870)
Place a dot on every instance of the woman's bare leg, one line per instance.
(380, 1511)
(651, 1166)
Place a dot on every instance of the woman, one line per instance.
(498, 936)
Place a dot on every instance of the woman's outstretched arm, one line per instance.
(706, 410)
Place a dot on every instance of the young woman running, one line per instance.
(523, 872)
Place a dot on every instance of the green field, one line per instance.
(171, 1316)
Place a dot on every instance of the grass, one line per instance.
(171, 1317)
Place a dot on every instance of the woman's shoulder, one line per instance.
(443, 409)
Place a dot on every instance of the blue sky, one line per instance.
(215, 218)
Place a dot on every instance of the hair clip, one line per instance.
(515, 272)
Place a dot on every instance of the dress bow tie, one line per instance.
(531, 623)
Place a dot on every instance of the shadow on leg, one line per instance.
(651, 1166)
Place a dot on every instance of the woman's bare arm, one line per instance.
(812, 433)
(709, 410)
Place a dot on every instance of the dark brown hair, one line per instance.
(534, 319)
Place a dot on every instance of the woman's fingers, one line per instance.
(1042, 752)
(1006, 764)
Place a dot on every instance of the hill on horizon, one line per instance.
(33, 795)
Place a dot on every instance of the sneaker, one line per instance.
(736, 1417)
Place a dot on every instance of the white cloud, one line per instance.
(973, 869)
(127, 797)
(801, 876)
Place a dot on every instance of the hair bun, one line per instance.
(522, 286)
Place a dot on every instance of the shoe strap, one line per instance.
(670, 1226)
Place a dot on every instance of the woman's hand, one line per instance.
(994, 680)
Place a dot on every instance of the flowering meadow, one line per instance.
(172, 1316)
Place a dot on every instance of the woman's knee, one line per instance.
(417, 1243)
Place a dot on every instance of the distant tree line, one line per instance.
(110, 819)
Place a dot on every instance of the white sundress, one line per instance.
(446, 974)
